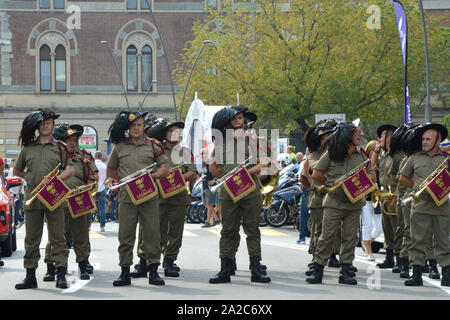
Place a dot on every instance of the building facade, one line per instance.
(56, 54)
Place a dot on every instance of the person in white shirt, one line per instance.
(101, 192)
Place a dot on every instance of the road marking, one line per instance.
(189, 234)
(436, 283)
(94, 234)
(273, 233)
(77, 286)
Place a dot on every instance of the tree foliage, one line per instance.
(290, 60)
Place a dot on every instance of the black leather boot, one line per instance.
(141, 269)
(445, 281)
(84, 275)
(51, 273)
(233, 268)
(257, 275)
(434, 271)
(389, 261)
(398, 264)
(317, 274)
(124, 278)
(153, 276)
(311, 269)
(169, 271)
(262, 267)
(223, 276)
(416, 278)
(404, 273)
(61, 281)
(425, 268)
(89, 267)
(346, 275)
(333, 262)
(29, 282)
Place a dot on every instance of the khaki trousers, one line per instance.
(333, 220)
(248, 210)
(147, 214)
(423, 227)
(34, 225)
(171, 219)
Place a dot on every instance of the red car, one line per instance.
(7, 216)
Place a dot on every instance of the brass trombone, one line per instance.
(423, 185)
(42, 184)
(338, 183)
(133, 176)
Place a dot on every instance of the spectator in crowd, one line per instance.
(208, 198)
(292, 156)
(371, 218)
(18, 193)
(299, 162)
(112, 199)
(304, 209)
(2, 165)
(101, 192)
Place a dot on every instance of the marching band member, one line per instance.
(85, 172)
(172, 208)
(381, 160)
(339, 161)
(130, 155)
(234, 207)
(316, 142)
(426, 170)
(39, 155)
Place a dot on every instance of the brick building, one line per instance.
(51, 55)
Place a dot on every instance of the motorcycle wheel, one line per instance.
(262, 217)
(275, 217)
(202, 214)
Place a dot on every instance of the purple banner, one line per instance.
(400, 16)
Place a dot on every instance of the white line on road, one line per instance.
(77, 286)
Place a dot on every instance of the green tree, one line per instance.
(290, 60)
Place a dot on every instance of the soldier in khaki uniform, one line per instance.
(315, 140)
(339, 213)
(247, 208)
(129, 155)
(85, 172)
(426, 216)
(382, 161)
(38, 157)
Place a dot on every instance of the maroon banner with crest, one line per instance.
(53, 193)
(173, 184)
(358, 185)
(239, 185)
(81, 204)
(439, 187)
(141, 189)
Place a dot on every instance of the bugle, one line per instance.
(91, 187)
(338, 183)
(424, 184)
(133, 176)
(42, 184)
(228, 175)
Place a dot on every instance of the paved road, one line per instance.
(199, 261)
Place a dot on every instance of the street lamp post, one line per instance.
(190, 73)
(428, 113)
(105, 43)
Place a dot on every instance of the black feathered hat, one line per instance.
(412, 140)
(31, 123)
(64, 131)
(340, 139)
(397, 137)
(389, 127)
(313, 134)
(436, 126)
(122, 123)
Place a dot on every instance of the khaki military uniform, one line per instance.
(37, 160)
(128, 157)
(389, 222)
(426, 217)
(339, 212)
(84, 171)
(172, 212)
(247, 209)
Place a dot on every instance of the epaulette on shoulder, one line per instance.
(87, 154)
(157, 142)
(62, 143)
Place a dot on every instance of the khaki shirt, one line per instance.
(418, 167)
(182, 198)
(334, 170)
(84, 167)
(384, 163)
(315, 200)
(128, 157)
(398, 161)
(38, 160)
(236, 158)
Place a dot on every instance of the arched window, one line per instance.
(132, 77)
(45, 68)
(60, 68)
(146, 71)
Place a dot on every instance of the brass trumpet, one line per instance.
(228, 175)
(423, 185)
(133, 176)
(91, 187)
(338, 183)
(42, 184)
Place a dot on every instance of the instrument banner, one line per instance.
(439, 187)
(240, 185)
(358, 185)
(81, 204)
(141, 189)
(53, 193)
(173, 184)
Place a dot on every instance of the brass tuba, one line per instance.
(385, 198)
(269, 183)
